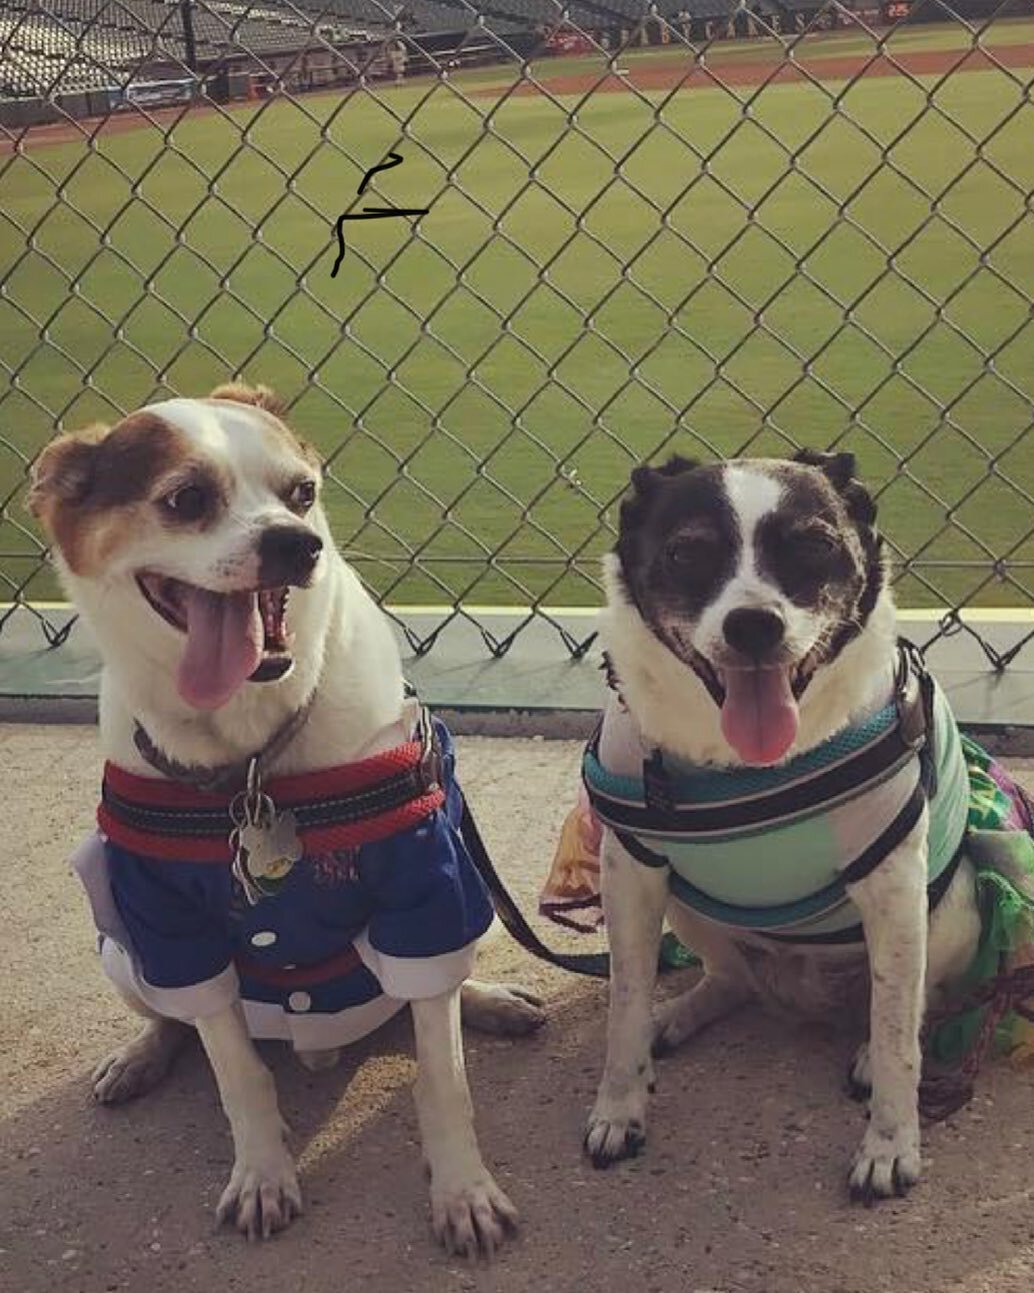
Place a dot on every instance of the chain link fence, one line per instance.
(495, 254)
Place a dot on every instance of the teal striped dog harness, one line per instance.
(773, 850)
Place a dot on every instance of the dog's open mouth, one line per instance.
(758, 703)
(716, 679)
(232, 638)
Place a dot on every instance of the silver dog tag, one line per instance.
(265, 843)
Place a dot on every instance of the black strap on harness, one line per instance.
(856, 933)
(916, 712)
(885, 844)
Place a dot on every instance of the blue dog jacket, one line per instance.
(374, 913)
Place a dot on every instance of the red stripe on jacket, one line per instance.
(316, 839)
(286, 792)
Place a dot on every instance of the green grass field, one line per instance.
(584, 330)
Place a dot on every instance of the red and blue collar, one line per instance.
(337, 808)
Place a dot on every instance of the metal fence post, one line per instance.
(189, 41)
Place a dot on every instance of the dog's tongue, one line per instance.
(759, 717)
(224, 646)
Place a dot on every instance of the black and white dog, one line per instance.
(758, 771)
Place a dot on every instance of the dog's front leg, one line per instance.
(634, 900)
(262, 1195)
(469, 1212)
(893, 904)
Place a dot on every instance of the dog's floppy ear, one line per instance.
(645, 479)
(839, 469)
(676, 465)
(241, 393)
(64, 471)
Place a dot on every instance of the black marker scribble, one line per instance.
(394, 159)
(371, 213)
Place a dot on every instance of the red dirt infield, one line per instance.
(685, 73)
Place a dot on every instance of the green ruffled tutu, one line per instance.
(1000, 845)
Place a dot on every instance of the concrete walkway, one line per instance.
(741, 1186)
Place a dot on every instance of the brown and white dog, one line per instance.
(191, 538)
(749, 621)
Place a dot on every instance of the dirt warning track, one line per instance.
(686, 73)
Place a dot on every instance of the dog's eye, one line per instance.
(814, 546)
(689, 550)
(188, 503)
(303, 495)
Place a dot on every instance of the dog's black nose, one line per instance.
(753, 631)
(288, 553)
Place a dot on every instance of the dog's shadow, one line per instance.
(741, 1186)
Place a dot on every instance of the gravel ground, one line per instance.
(740, 1188)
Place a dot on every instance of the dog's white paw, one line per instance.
(859, 1075)
(138, 1067)
(616, 1129)
(472, 1216)
(505, 1011)
(263, 1195)
(888, 1163)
